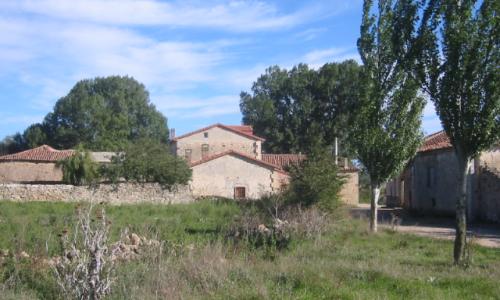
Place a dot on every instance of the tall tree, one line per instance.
(385, 131)
(105, 114)
(301, 109)
(460, 42)
(101, 114)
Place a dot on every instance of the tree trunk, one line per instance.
(373, 211)
(461, 214)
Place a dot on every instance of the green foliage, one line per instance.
(316, 181)
(102, 114)
(459, 43)
(385, 129)
(345, 263)
(80, 169)
(148, 161)
(460, 55)
(301, 110)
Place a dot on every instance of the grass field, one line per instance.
(327, 258)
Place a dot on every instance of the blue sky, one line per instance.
(194, 57)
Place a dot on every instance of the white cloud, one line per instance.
(227, 15)
(189, 107)
(319, 57)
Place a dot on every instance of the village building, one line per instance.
(37, 165)
(227, 161)
(429, 183)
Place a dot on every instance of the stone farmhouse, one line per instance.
(429, 183)
(39, 165)
(227, 161)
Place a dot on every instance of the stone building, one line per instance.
(227, 161)
(429, 184)
(37, 165)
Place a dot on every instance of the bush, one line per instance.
(148, 161)
(315, 181)
(80, 169)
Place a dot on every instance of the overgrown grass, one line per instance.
(339, 260)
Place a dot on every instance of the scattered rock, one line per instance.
(23, 254)
(135, 239)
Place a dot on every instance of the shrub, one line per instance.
(148, 161)
(85, 268)
(315, 181)
(79, 169)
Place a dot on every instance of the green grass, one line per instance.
(343, 262)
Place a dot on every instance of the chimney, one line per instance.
(172, 133)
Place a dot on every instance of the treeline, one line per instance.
(303, 109)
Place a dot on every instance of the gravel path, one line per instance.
(487, 235)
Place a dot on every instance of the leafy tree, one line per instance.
(302, 109)
(102, 114)
(336, 91)
(12, 144)
(460, 42)
(105, 114)
(80, 169)
(148, 161)
(34, 136)
(316, 181)
(385, 130)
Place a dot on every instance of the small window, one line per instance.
(205, 134)
(187, 155)
(239, 192)
(204, 150)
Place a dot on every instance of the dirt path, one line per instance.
(487, 235)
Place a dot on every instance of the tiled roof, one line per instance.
(243, 130)
(247, 129)
(240, 155)
(42, 154)
(436, 141)
(283, 160)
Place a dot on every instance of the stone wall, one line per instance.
(349, 194)
(123, 193)
(18, 171)
(489, 194)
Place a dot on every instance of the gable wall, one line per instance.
(219, 140)
(220, 176)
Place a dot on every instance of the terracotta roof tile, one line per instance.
(244, 130)
(42, 154)
(436, 141)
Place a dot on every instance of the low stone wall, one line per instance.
(122, 193)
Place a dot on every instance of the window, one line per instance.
(239, 192)
(205, 134)
(187, 155)
(204, 151)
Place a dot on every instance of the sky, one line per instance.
(194, 57)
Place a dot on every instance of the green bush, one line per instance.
(80, 169)
(148, 161)
(315, 181)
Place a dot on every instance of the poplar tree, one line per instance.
(386, 129)
(460, 42)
